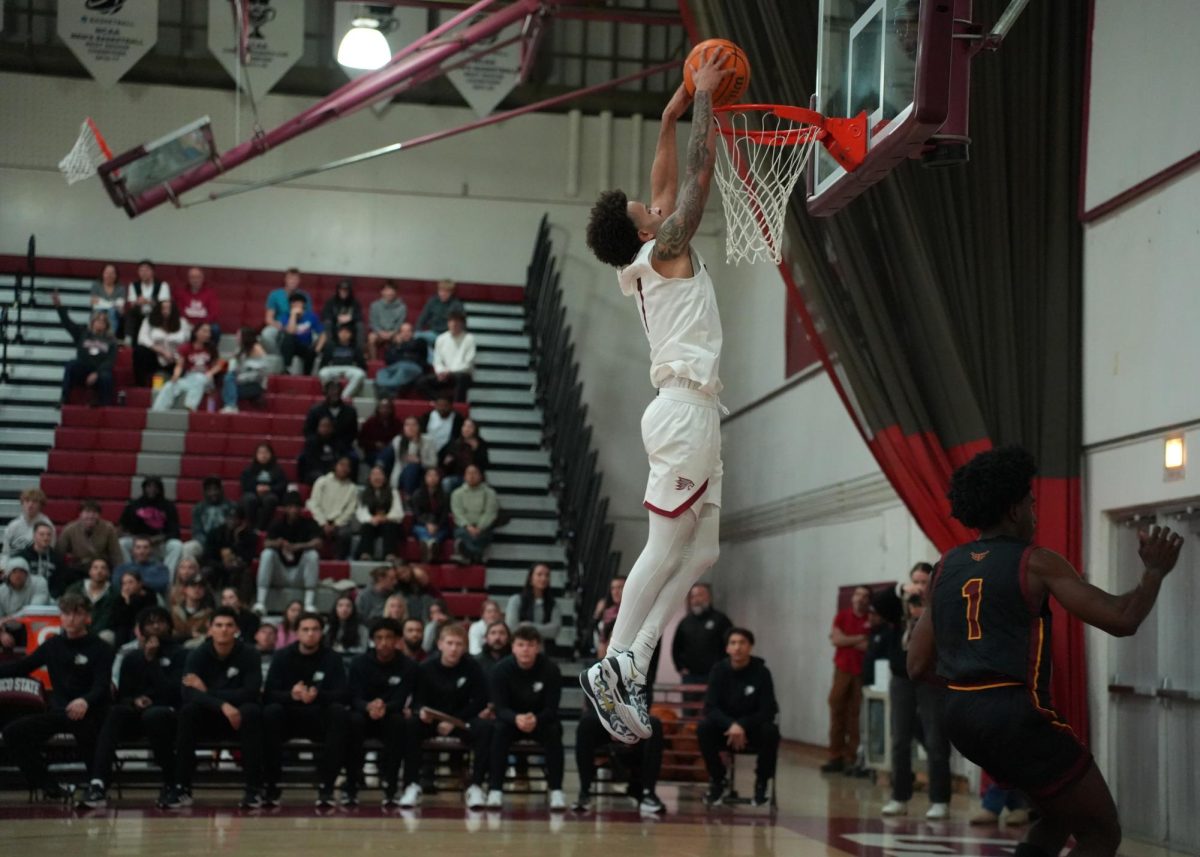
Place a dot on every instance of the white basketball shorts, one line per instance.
(681, 431)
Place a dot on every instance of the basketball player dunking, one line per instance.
(986, 633)
(681, 429)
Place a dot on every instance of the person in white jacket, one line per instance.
(489, 613)
(413, 453)
(333, 502)
(453, 360)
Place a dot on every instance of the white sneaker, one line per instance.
(938, 812)
(558, 801)
(894, 807)
(412, 796)
(475, 798)
(229, 409)
(495, 799)
(629, 693)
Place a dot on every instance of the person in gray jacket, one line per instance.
(385, 316)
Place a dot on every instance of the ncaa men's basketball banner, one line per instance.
(275, 43)
(108, 36)
(486, 81)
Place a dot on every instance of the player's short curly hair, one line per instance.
(611, 234)
(986, 487)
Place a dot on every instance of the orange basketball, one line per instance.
(732, 88)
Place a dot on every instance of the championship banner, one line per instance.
(276, 40)
(485, 82)
(108, 36)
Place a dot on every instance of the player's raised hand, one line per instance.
(709, 76)
(1159, 548)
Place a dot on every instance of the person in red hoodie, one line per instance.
(198, 302)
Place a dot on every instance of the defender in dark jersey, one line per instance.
(987, 635)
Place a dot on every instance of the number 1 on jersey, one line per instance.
(972, 591)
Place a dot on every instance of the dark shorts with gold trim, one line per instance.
(1020, 745)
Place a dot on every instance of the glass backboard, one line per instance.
(131, 173)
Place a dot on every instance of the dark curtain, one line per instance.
(946, 303)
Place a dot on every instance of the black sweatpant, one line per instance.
(24, 739)
(762, 740)
(918, 710)
(325, 723)
(123, 721)
(194, 722)
(392, 730)
(549, 735)
(643, 759)
(478, 737)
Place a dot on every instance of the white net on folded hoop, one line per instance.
(88, 153)
(757, 169)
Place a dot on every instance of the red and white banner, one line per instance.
(275, 42)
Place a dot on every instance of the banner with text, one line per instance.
(108, 36)
(486, 81)
(275, 41)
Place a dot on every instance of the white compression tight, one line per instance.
(678, 551)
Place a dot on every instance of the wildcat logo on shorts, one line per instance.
(979, 557)
(684, 484)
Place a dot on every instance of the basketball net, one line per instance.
(756, 170)
(86, 156)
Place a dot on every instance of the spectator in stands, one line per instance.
(377, 431)
(412, 631)
(395, 607)
(79, 664)
(198, 302)
(380, 518)
(190, 617)
(412, 453)
(443, 423)
(321, 452)
(303, 336)
(386, 316)
(132, 599)
(342, 360)
(406, 358)
(604, 615)
(305, 697)
(263, 486)
(536, 605)
(460, 453)
(18, 591)
(208, 516)
(347, 634)
(412, 581)
(290, 558)
(343, 416)
(89, 536)
(18, 533)
(266, 641)
(95, 354)
(436, 618)
(229, 551)
(288, 625)
(643, 761)
(148, 693)
(489, 613)
(152, 619)
(381, 682)
(526, 689)
(143, 295)
(247, 620)
(849, 635)
(435, 315)
(739, 714)
(197, 366)
(475, 507)
(278, 310)
(97, 588)
(451, 695)
(47, 563)
(154, 516)
(333, 503)
(430, 507)
(370, 600)
(158, 343)
(246, 374)
(497, 645)
(699, 641)
(343, 308)
(221, 683)
(108, 297)
(453, 360)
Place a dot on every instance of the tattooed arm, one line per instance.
(664, 174)
(671, 257)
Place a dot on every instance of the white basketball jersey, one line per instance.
(680, 318)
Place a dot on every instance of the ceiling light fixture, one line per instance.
(364, 46)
